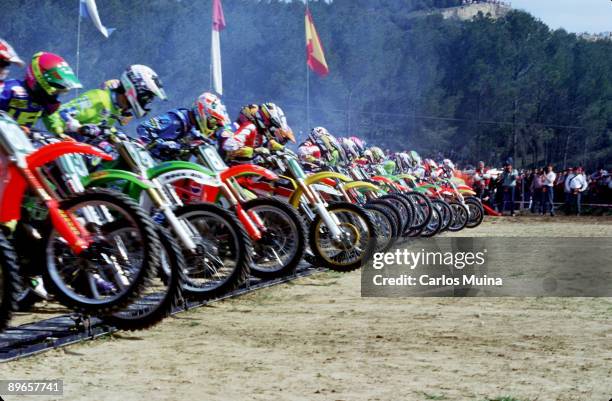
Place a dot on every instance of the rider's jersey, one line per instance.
(96, 106)
(174, 126)
(241, 143)
(18, 102)
(309, 152)
(170, 126)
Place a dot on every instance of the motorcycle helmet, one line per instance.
(141, 84)
(415, 159)
(350, 149)
(248, 113)
(272, 118)
(210, 113)
(8, 55)
(49, 74)
(359, 143)
(377, 154)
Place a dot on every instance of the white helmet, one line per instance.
(141, 85)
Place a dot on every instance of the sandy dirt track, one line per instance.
(317, 339)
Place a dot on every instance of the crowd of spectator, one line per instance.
(543, 190)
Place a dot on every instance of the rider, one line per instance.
(320, 148)
(8, 56)
(260, 129)
(207, 117)
(130, 96)
(47, 77)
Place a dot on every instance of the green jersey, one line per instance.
(92, 107)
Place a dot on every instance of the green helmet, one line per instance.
(50, 74)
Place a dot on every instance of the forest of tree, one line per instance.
(474, 90)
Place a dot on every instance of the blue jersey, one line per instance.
(170, 126)
(17, 101)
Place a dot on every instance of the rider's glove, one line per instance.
(275, 146)
(89, 130)
(262, 151)
(170, 145)
(245, 152)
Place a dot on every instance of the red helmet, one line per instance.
(50, 74)
(8, 55)
(210, 113)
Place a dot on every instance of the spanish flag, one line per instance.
(314, 49)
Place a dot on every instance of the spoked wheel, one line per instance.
(283, 243)
(162, 294)
(356, 245)
(422, 207)
(460, 216)
(222, 260)
(9, 281)
(434, 225)
(405, 208)
(445, 212)
(386, 225)
(113, 270)
(476, 212)
(394, 211)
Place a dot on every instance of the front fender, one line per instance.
(49, 153)
(317, 178)
(362, 186)
(133, 187)
(165, 167)
(241, 170)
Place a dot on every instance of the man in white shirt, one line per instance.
(548, 190)
(576, 185)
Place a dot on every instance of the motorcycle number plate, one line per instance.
(213, 160)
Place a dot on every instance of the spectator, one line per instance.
(576, 184)
(536, 190)
(548, 190)
(508, 183)
(567, 193)
(480, 182)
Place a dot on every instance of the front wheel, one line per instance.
(283, 243)
(163, 293)
(387, 229)
(222, 258)
(476, 212)
(113, 270)
(357, 242)
(434, 225)
(9, 282)
(460, 216)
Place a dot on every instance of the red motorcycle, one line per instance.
(94, 250)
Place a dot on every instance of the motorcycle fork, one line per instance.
(162, 202)
(331, 221)
(65, 224)
(249, 220)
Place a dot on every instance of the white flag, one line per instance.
(89, 10)
(215, 48)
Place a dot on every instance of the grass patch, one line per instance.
(506, 398)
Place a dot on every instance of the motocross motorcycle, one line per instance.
(70, 242)
(275, 227)
(341, 235)
(216, 249)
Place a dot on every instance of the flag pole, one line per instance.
(307, 88)
(78, 49)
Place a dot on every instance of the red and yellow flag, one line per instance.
(314, 49)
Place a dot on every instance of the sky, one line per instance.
(592, 16)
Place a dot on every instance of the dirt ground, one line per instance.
(317, 339)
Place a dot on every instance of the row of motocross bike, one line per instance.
(133, 240)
